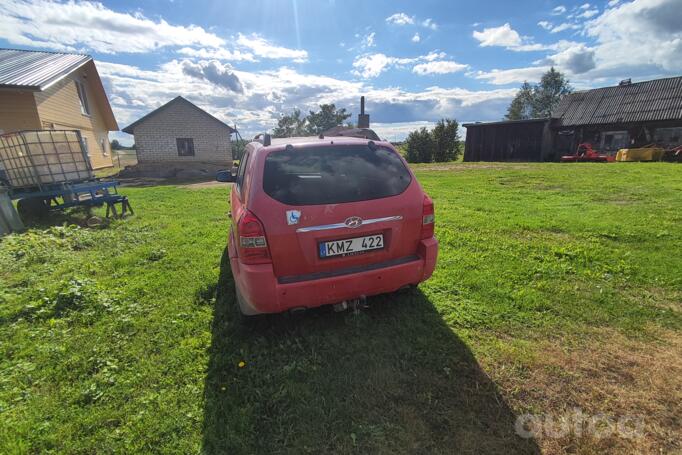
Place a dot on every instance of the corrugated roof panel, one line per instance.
(643, 101)
(36, 70)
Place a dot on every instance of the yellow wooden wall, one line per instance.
(18, 111)
(59, 108)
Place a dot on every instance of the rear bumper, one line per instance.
(263, 292)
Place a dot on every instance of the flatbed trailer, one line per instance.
(96, 193)
(45, 170)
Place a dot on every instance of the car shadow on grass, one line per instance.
(390, 379)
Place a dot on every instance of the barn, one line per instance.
(610, 118)
(180, 133)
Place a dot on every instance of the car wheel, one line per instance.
(245, 310)
(33, 208)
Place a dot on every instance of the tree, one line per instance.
(446, 138)
(115, 145)
(553, 86)
(290, 125)
(521, 107)
(327, 117)
(312, 124)
(539, 100)
(420, 146)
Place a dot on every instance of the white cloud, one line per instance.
(265, 49)
(545, 24)
(400, 19)
(404, 19)
(369, 66)
(438, 67)
(429, 23)
(215, 72)
(91, 25)
(416, 38)
(584, 6)
(369, 40)
(217, 53)
(503, 35)
(613, 3)
(577, 59)
(559, 10)
(643, 36)
(506, 36)
(267, 94)
(512, 76)
(563, 27)
(588, 13)
(640, 39)
(398, 131)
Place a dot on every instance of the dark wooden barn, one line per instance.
(610, 118)
(518, 140)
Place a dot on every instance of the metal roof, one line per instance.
(130, 129)
(505, 122)
(656, 100)
(35, 70)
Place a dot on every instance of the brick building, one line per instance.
(180, 133)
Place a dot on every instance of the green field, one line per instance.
(558, 287)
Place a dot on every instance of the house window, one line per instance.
(185, 146)
(83, 98)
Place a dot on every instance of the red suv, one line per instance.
(321, 221)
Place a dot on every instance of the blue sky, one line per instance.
(249, 61)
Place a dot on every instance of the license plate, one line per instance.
(351, 246)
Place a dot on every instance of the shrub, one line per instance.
(420, 146)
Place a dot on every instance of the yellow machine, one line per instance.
(640, 154)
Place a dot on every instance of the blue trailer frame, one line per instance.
(95, 193)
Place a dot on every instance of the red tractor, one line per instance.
(585, 153)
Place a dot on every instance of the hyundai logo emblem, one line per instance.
(353, 222)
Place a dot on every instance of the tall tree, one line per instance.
(290, 125)
(547, 94)
(521, 107)
(539, 100)
(446, 137)
(327, 117)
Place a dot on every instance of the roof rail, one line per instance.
(263, 138)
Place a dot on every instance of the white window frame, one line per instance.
(83, 98)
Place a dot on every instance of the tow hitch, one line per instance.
(355, 304)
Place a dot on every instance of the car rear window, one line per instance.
(334, 174)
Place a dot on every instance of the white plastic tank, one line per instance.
(42, 157)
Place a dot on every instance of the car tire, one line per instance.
(33, 208)
(245, 310)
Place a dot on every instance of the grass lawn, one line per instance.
(558, 288)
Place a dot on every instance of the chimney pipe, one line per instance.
(363, 119)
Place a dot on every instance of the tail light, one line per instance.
(253, 248)
(428, 218)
